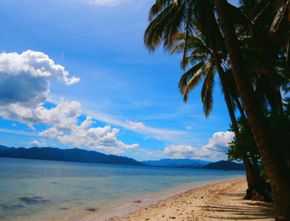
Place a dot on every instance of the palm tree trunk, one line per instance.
(252, 177)
(257, 187)
(240, 108)
(227, 96)
(275, 166)
(254, 181)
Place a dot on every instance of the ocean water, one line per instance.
(47, 190)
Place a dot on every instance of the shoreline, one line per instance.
(130, 205)
(218, 201)
(213, 200)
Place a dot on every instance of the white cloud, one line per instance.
(25, 80)
(37, 143)
(17, 132)
(219, 142)
(180, 151)
(64, 127)
(64, 115)
(141, 128)
(24, 89)
(96, 138)
(136, 125)
(30, 73)
(214, 150)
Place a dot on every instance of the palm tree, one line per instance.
(266, 44)
(205, 66)
(167, 17)
(209, 58)
(275, 166)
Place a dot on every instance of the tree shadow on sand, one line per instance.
(250, 210)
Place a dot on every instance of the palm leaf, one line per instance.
(159, 6)
(279, 18)
(155, 31)
(207, 90)
(188, 31)
(173, 25)
(190, 79)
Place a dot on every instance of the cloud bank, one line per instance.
(24, 90)
(214, 150)
(25, 80)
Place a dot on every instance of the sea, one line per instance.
(38, 190)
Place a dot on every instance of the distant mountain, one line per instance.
(2, 147)
(224, 165)
(72, 155)
(176, 163)
(78, 155)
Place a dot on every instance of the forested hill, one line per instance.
(73, 155)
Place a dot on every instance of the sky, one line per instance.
(76, 74)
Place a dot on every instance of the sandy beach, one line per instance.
(219, 201)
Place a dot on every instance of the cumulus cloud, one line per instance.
(25, 86)
(96, 138)
(219, 142)
(180, 151)
(24, 90)
(214, 150)
(30, 73)
(64, 115)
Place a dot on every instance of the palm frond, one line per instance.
(190, 79)
(174, 25)
(280, 16)
(188, 32)
(158, 7)
(207, 90)
(155, 31)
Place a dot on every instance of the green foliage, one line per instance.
(280, 130)
(244, 144)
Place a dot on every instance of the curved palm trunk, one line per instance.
(227, 97)
(240, 108)
(251, 175)
(257, 187)
(254, 181)
(275, 166)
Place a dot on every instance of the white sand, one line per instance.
(220, 201)
(216, 202)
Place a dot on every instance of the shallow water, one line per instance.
(30, 189)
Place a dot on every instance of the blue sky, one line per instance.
(76, 73)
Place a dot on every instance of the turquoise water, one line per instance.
(30, 189)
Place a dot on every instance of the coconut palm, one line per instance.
(266, 47)
(275, 166)
(168, 17)
(207, 59)
(205, 67)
